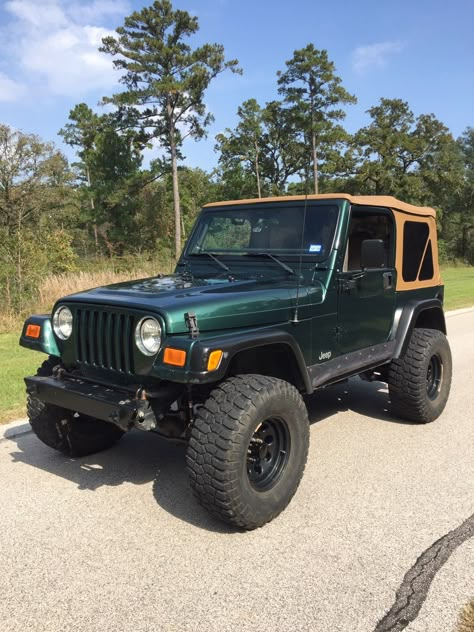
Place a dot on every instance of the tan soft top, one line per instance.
(387, 201)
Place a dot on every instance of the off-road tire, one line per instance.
(225, 435)
(416, 394)
(64, 430)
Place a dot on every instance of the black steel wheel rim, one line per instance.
(268, 453)
(434, 377)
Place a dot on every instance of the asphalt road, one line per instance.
(377, 538)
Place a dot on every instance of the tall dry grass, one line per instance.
(466, 619)
(54, 286)
(57, 285)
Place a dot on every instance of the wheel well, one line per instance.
(432, 318)
(275, 360)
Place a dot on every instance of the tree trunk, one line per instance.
(88, 176)
(257, 168)
(313, 137)
(315, 164)
(176, 203)
(96, 238)
(19, 261)
(92, 203)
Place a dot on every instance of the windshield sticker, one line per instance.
(315, 247)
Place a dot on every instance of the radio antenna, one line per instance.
(300, 266)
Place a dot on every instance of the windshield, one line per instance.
(268, 229)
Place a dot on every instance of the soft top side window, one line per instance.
(417, 252)
(369, 223)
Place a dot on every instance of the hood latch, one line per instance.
(190, 319)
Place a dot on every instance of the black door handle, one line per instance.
(387, 280)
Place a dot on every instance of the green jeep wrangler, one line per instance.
(271, 300)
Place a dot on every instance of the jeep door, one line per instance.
(366, 297)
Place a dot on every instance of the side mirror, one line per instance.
(372, 254)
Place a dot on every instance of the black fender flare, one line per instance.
(231, 345)
(406, 317)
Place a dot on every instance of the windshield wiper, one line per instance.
(211, 256)
(273, 258)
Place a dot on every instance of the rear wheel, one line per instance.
(67, 431)
(248, 449)
(419, 383)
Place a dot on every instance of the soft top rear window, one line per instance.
(274, 229)
(415, 236)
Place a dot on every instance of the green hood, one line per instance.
(218, 304)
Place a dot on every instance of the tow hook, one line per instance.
(58, 372)
(144, 418)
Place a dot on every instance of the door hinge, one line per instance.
(346, 284)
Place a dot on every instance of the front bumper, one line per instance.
(104, 402)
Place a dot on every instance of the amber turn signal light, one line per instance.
(177, 357)
(33, 331)
(215, 358)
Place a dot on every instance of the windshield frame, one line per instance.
(240, 255)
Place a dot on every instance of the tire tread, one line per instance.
(407, 378)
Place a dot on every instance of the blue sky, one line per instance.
(421, 51)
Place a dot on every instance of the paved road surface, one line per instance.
(116, 542)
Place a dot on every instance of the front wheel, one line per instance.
(248, 449)
(419, 383)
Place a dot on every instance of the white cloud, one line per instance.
(52, 45)
(10, 90)
(43, 14)
(97, 10)
(374, 55)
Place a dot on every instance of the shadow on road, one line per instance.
(143, 458)
(140, 459)
(369, 399)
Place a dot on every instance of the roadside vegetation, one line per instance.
(466, 619)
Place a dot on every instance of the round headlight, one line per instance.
(62, 322)
(148, 336)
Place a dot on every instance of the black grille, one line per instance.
(104, 339)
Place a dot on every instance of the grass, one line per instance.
(466, 619)
(16, 362)
(459, 286)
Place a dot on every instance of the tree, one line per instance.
(165, 81)
(264, 142)
(244, 143)
(108, 172)
(466, 145)
(315, 93)
(157, 228)
(33, 178)
(34, 194)
(415, 159)
(458, 221)
(284, 154)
